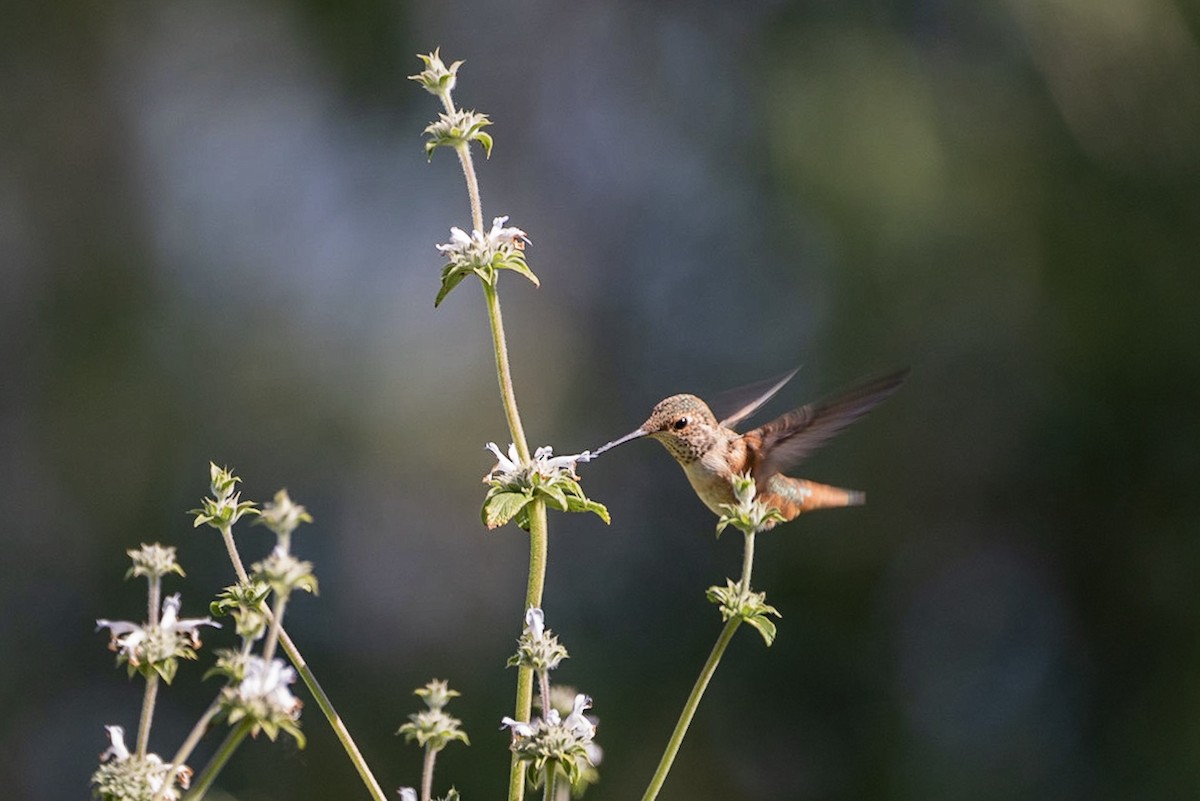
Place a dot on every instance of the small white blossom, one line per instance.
(510, 469)
(136, 642)
(189, 626)
(268, 683)
(116, 749)
(577, 722)
(519, 728)
(535, 623)
(480, 249)
(122, 775)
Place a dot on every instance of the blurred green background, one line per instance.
(217, 231)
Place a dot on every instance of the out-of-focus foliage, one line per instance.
(217, 231)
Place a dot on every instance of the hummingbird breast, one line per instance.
(711, 474)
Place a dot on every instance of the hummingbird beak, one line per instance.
(631, 435)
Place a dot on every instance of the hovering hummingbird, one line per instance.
(711, 452)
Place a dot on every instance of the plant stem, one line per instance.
(551, 781)
(537, 510)
(148, 699)
(154, 598)
(268, 651)
(218, 761)
(508, 395)
(427, 773)
(706, 674)
(747, 561)
(689, 709)
(544, 688)
(314, 687)
(189, 745)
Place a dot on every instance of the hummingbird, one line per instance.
(711, 453)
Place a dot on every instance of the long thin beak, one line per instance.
(631, 435)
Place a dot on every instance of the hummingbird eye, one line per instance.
(680, 424)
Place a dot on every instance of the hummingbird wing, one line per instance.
(745, 401)
(781, 443)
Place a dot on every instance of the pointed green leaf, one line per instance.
(519, 266)
(500, 507)
(485, 140)
(581, 504)
(450, 279)
(555, 497)
(765, 627)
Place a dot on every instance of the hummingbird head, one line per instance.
(684, 425)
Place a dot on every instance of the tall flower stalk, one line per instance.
(738, 604)
(485, 255)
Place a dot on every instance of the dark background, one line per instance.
(217, 231)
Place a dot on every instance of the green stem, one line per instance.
(148, 699)
(189, 745)
(219, 759)
(537, 510)
(706, 674)
(268, 651)
(314, 687)
(551, 781)
(508, 395)
(468, 166)
(427, 773)
(689, 709)
(747, 561)
(154, 599)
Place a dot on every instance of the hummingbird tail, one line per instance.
(794, 496)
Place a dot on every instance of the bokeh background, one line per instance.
(217, 231)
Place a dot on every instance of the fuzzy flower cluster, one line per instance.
(225, 506)
(537, 647)
(284, 573)
(561, 739)
(153, 561)
(483, 254)
(123, 776)
(748, 515)
(436, 78)
(514, 484)
(283, 516)
(263, 698)
(433, 727)
(557, 743)
(156, 647)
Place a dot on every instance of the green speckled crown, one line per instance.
(697, 434)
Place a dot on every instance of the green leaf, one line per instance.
(500, 507)
(555, 496)
(519, 266)
(581, 504)
(765, 627)
(485, 140)
(450, 279)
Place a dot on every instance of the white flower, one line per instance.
(135, 643)
(535, 623)
(577, 722)
(269, 683)
(519, 728)
(479, 249)
(116, 749)
(510, 469)
(408, 794)
(505, 464)
(190, 626)
(125, 639)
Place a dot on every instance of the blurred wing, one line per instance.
(781, 443)
(738, 404)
